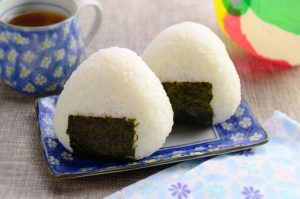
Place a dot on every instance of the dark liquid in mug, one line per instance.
(37, 18)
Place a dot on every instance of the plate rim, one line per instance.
(162, 162)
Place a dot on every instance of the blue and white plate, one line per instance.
(185, 142)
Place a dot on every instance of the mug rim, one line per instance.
(28, 28)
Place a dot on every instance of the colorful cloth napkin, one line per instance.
(269, 171)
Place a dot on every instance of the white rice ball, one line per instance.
(191, 52)
(115, 82)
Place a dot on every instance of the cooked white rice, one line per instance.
(191, 52)
(116, 82)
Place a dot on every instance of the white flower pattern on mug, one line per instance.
(28, 57)
(40, 80)
(72, 60)
(73, 43)
(66, 30)
(59, 55)
(46, 62)
(24, 55)
(1, 54)
(29, 88)
(12, 55)
(58, 72)
(52, 87)
(24, 72)
(18, 39)
(47, 43)
(9, 70)
(3, 37)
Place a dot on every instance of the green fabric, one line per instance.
(284, 14)
(237, 9)
(281, 13)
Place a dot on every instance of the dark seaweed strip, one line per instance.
(99, 137)
(191, 101)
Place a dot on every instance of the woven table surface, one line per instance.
(131, 24)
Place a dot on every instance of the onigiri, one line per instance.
(197, 73)
(113, 105)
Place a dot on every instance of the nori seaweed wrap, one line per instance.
(197, 73)
(113, 106)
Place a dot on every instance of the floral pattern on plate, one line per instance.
(241, 131)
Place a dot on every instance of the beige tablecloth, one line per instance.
(131, 24)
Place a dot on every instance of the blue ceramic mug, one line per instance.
(39, 60)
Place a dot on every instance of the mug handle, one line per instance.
(97, 20)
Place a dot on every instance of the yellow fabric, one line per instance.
(220, 13)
